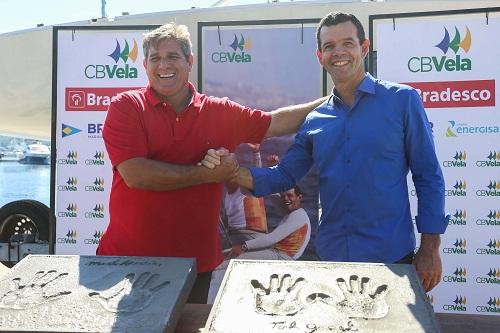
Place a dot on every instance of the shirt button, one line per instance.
(348, 161)
(177, 119)
(164, 104)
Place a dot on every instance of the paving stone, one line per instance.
(59, 293)
(320, 297)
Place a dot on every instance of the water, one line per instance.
(22, 181)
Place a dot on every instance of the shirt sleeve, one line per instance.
(288, 225)
(426, 171)
(294, 165)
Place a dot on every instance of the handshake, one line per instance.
(223, 165)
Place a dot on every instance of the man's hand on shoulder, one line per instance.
(428, 262)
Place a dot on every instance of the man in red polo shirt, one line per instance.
(162, 203)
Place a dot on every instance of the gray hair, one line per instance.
(170, 30)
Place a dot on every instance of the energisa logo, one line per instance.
(459, 189)
(493, 305)
(459, 304)
(98, 185)
(96, 238)
(96, 213)
(492, 277)
(459, 276)
(459, 218)
(98, 159)
(458, 160)
(493, 218)
(71, 158)
(459, 247)
(493, 160)
(117, 71)
(240, 52)
(492, 189)
(458, 129)
(69, 239)
(71, 185)
(450, 63)
(493, 248)
(71, 211)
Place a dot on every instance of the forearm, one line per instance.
(288, 119)
(244, 178)
(430, 242)
(280, 232)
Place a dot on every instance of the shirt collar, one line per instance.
(153, 98)
(367, 85)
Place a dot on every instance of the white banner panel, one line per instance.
(452, 63)
(92, 67)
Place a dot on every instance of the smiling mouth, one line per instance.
(166, 76)
(340, 63)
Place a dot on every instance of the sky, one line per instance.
(26, 14)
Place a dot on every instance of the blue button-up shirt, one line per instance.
(363, 154)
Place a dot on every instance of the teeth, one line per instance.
(340, 63)
(166, 76)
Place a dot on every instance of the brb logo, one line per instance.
(240, 53)
(116, 71)
(450, 64)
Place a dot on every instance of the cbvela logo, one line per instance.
(492, 219)
(71, 185)
(96, 213)
(459, 160)
(459, 218)
(117, 71)
(69, 239)
(68, 130)
(96, 238)
(456, 129)
(240, 54)
(493, 160)
(455, 62)
(459, 247)
(92, 98)
(97, 185)
(98, 159)
(459, 189)
(71, 211)
(458, 276)
(492, 249)
(492, 189)
(459, 304)
(492, 277)
(71, 158)
(493, 305)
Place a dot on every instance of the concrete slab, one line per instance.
(45, 293)
(320, 297)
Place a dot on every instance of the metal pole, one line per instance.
(103, 9)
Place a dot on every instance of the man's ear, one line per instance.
(319, 55)
(190, 61)
(365, 47)
(145, 63)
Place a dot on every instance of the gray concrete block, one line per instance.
(45, 293)
(320, 297)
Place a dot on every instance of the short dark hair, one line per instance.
(337, 18)
(297, 190)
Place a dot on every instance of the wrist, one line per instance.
(244, 247)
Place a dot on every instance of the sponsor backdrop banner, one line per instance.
(451, 63)
(92, 67)
(266, 67)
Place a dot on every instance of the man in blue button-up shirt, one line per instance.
(364, 139)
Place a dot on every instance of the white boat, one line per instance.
(36, 153)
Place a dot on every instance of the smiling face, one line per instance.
(291, 200)
(168, 69)
(341, 53)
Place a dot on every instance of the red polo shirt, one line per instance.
(177, 223)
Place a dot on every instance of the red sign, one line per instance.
(91, 99)
(456, 94)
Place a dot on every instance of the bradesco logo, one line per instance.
(240, 54)
(493, 160)
(458, 276)
(459, 189)
(71, 211)
(492, 277)
(493, 248)
(91, 99)
(458, 129)
(493, 219)
(69, 239)
(458, 160)
(459, 218)
(125, 71)
(493, 305)
(492, 189)
(460, 304)
(96, 238)
(98, 159)
(97, 185)
(96, 213)
(459, 247)
(71, 185)
(456, 62)
(71, 158)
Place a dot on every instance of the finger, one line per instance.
(273, 283)
(365, 286)
(258, 287)
(36, 278)
(138, 283)
(354, 284)
(212, 159)
(207, 164)
(285, 282)
(343, 286)
(381, 292)
(54, 279)
(14, 284)
(297, 286)
(222, 151)
(426, 284)
(150, 280)
(161, 285)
